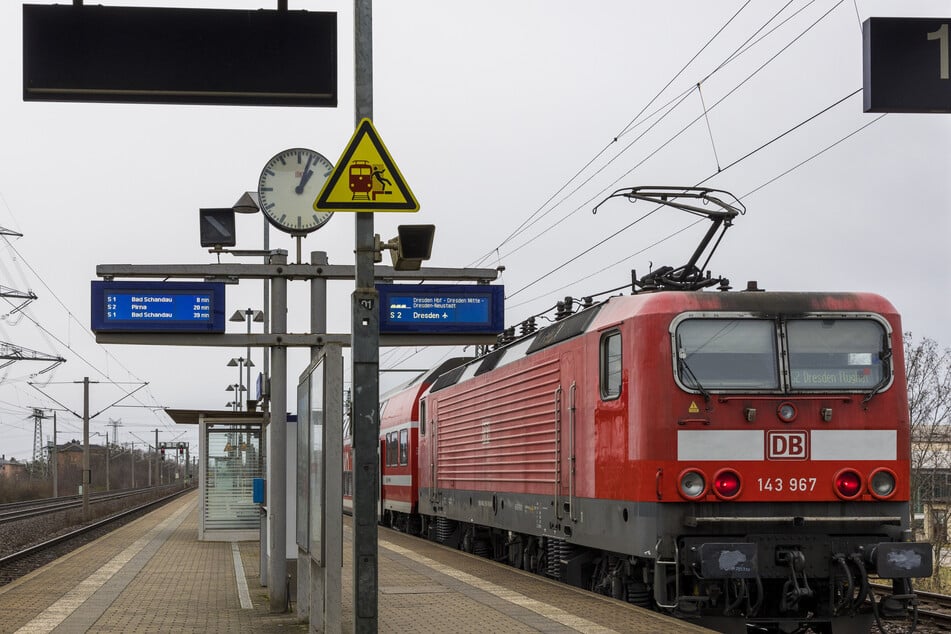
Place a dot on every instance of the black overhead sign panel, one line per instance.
(183, 56)
(906, 65)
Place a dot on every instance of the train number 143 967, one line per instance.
(791, 484)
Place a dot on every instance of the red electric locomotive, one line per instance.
(741, 458)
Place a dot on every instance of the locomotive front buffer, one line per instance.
(730, 577)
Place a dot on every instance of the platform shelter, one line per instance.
(231, 455)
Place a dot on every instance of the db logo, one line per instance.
(787, 445)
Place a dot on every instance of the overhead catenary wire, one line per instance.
(740, 197)
(665, 144)
(758, 36)
(625, 129)
(71, 318)
(634, 123)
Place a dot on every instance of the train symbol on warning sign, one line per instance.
(366, 178)
(367, 181)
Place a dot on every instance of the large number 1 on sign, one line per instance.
(942, 36)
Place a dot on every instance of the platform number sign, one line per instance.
(941, 34)
(906, 66)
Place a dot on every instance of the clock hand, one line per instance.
(305, 176)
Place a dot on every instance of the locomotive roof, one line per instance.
(768, 303)
(616, 309)
(425, 377)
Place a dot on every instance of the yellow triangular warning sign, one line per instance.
(693, 409)
(365, 178)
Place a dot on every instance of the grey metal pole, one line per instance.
(321, 598)
(365, 359)
(266, 246)
(277, 455)
(55, 460)
(312, 590)
(158, 474)
(87, 474)
(249, 314)
(318, 299)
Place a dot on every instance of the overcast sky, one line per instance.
(496, 113)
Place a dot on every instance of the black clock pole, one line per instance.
(365, 361)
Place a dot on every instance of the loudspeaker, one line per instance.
(414, 244)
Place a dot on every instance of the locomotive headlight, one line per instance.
(848, 484)
(787, 412)
(692, 484)
(726, 484)
(882, 483)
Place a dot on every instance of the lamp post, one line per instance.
(238, 362)
(249, 315)
(235, 387)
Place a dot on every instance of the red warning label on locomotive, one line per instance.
(787, 445)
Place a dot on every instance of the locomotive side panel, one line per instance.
(499, 432)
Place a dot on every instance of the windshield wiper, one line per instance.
(685, 368)
(884, 355)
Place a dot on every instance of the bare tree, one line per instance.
(928, 372)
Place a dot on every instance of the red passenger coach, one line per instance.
(738, 457)
(399, 429)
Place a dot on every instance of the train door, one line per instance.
(381, 471)
(429, 410)
(565, 425)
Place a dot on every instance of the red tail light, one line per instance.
(848, 484)
(726, 484)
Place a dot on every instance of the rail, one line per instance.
(36, 548)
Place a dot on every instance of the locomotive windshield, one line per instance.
(728, 354)
(835, 354)
(743, 354)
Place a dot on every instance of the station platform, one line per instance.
(153, 575)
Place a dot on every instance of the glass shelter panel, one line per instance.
(303, 465)
(234, 461)
(317, 463)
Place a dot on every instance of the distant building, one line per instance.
(12, 468)
(70, 454)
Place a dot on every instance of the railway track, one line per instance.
(933, 611)
(14, 511)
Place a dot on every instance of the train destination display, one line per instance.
(441, 308)
(158, 307)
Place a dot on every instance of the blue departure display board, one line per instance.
(158, 307)
(441, 308)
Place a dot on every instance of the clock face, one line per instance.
(288, 186)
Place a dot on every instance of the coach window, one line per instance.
(404, 446)
(391, 449)
(611, 365)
